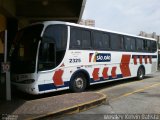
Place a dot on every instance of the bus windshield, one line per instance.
(25, 49)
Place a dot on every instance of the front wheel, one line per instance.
(78, 83)
(140, 73)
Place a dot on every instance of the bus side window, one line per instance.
(76, 37)
(133, 44)
(97, 40)
(139, 44)
(106, 41)
(149, 45)
(145, 45)
(86, 39)
(116, 42)
(154, 46)
(101, 40)
(127, 42)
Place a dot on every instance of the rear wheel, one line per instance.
(140, 73)
(78, 83)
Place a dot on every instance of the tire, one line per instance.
(78, 83)
(140, 73)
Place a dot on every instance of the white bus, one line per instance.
(52, 56)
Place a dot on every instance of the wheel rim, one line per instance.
(79, 83)
(141, 73)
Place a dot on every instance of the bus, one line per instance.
(53, 55)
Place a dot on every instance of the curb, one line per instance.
(74, 109)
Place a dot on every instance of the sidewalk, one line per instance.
(51, 106)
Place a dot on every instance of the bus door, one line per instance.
(47, 55)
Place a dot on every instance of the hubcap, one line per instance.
(79, 83)
(141, 73)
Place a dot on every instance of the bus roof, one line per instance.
(92, 28)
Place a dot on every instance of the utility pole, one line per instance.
(6, 70)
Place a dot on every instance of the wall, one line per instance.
(7, 7)
(2, 28)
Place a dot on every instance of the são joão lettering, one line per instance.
(103, 57)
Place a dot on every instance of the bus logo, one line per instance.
(100, 57)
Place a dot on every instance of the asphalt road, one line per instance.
(125, 97)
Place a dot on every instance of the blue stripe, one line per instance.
(102, 79)
(50, 86)
(138, 56)
(154, 56)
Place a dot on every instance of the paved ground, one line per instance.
(128, 97)
(55, 105)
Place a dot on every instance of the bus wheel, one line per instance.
(78, 83)
(140, 73)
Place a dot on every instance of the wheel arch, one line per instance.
(84, 72)
(142, 66)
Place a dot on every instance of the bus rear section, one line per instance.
(104, 56)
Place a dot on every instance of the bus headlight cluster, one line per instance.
(28, 81)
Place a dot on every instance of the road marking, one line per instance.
(136, 91)
(121, 85)
(125, 84)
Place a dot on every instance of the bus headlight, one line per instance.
(28, 81)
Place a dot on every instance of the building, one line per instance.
(88, 22)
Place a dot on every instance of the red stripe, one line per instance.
(62, 65)
(57, 78)
(146, 57)
(90, 57)
(113, 72)
(135, 60)
(140, 59)
(150, 59)
(95, 74)
(105, 75)
(124, 65)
